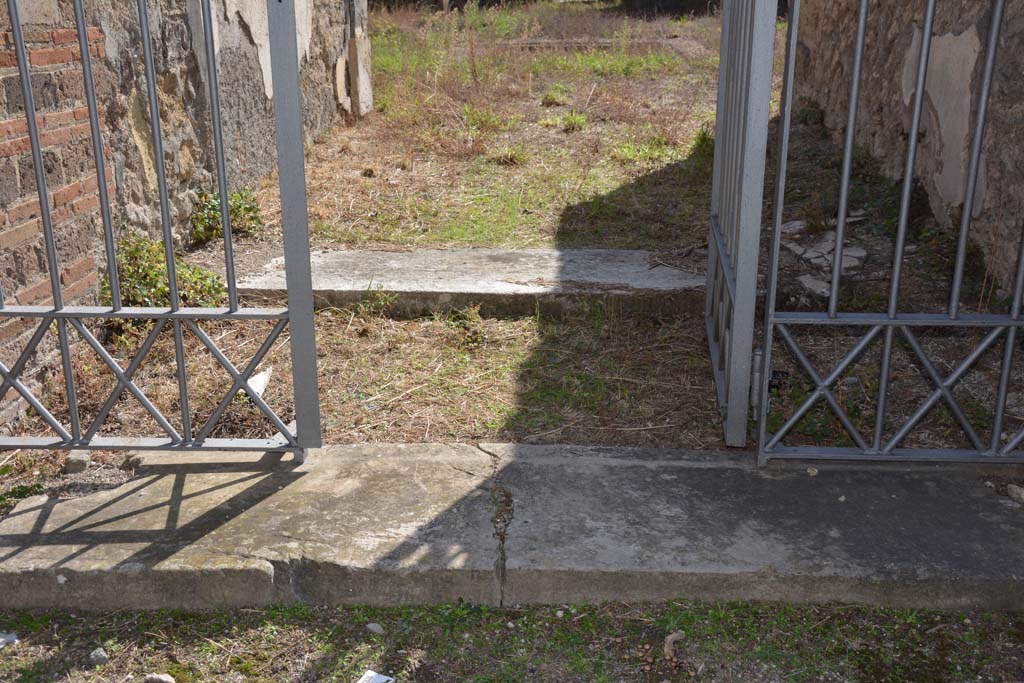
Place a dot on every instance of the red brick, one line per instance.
(80, 287)
(83, 113)
(15, 147)
(36, 37)
(89, 184)
(14, 328)
(11, 395)
(36, 293)
(78, 269)
(53, 55)
(8, 59)
(95, 33)
(20, 212)
(86, 205)
(6, 39)
(63, 36)
(57, 118)
(66, 194)
(18, 235)
(13, 127)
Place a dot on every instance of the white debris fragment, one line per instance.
(374, 677)
(7, 638)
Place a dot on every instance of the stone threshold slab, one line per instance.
(503, 282)
(505, 524)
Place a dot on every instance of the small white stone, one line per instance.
(812, 471)
(793, 247)
(61, 579)
(850, 262)
(1015, 492)
(99, 657)
(855, 252)
(560, 614)
(77, 461)
(793, 227)
(842, 499)
(158, 678)
(814, 285)
(375, 628)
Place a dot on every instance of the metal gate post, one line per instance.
(741, 140)
(291, 165)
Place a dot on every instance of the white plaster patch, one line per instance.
(39, 12)
(951, 65)
(254, 14)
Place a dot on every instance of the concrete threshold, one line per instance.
(509, 524)
(503, 282)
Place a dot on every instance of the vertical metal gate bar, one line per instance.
(97, 150)
(218, 140)
(904, 217)
(844, 182)
(771, 286)
(53, 264)
(1006, 367)
(975, 158)
(294, 220)
(165, 215)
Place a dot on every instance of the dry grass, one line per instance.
(456, 91)
(596, 378)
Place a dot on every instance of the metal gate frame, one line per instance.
(741, 141)
(885, 325)
(298, 316)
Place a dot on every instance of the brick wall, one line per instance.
(65, 136)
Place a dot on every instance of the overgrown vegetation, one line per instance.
(721, 642)
(142, 272)
(244, 213)
(523, 125)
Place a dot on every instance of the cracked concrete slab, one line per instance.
(640, 524)
(502, 281)
(375, 524)
(507, 524)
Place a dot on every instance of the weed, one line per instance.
(142, 272)
(573, 121)
(244, 213)
(11, 496)
(375, 303)
(509, 155)
(555, 95)
(487, 121)
(652, 150)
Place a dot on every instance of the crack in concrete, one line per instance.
(504, 509)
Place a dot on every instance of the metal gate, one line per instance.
(741, 136)
(886, 328)
(178, 433)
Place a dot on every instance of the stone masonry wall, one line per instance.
(242, 44)
(893, 39)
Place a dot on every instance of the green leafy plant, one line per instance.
(206, 217)
(554, 96)
(509, 155)
(573, 121)
(142, 272)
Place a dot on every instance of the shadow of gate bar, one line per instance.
(178, 433)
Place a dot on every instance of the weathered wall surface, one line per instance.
(893, 39)
(242, 47)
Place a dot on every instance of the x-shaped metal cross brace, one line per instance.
(124, 379)
(241, 382)
(943, 387)
(822, 386)
(12, 378)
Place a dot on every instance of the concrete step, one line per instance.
(503, 282)
(507, 524)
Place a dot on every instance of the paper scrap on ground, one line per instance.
(374, 677)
